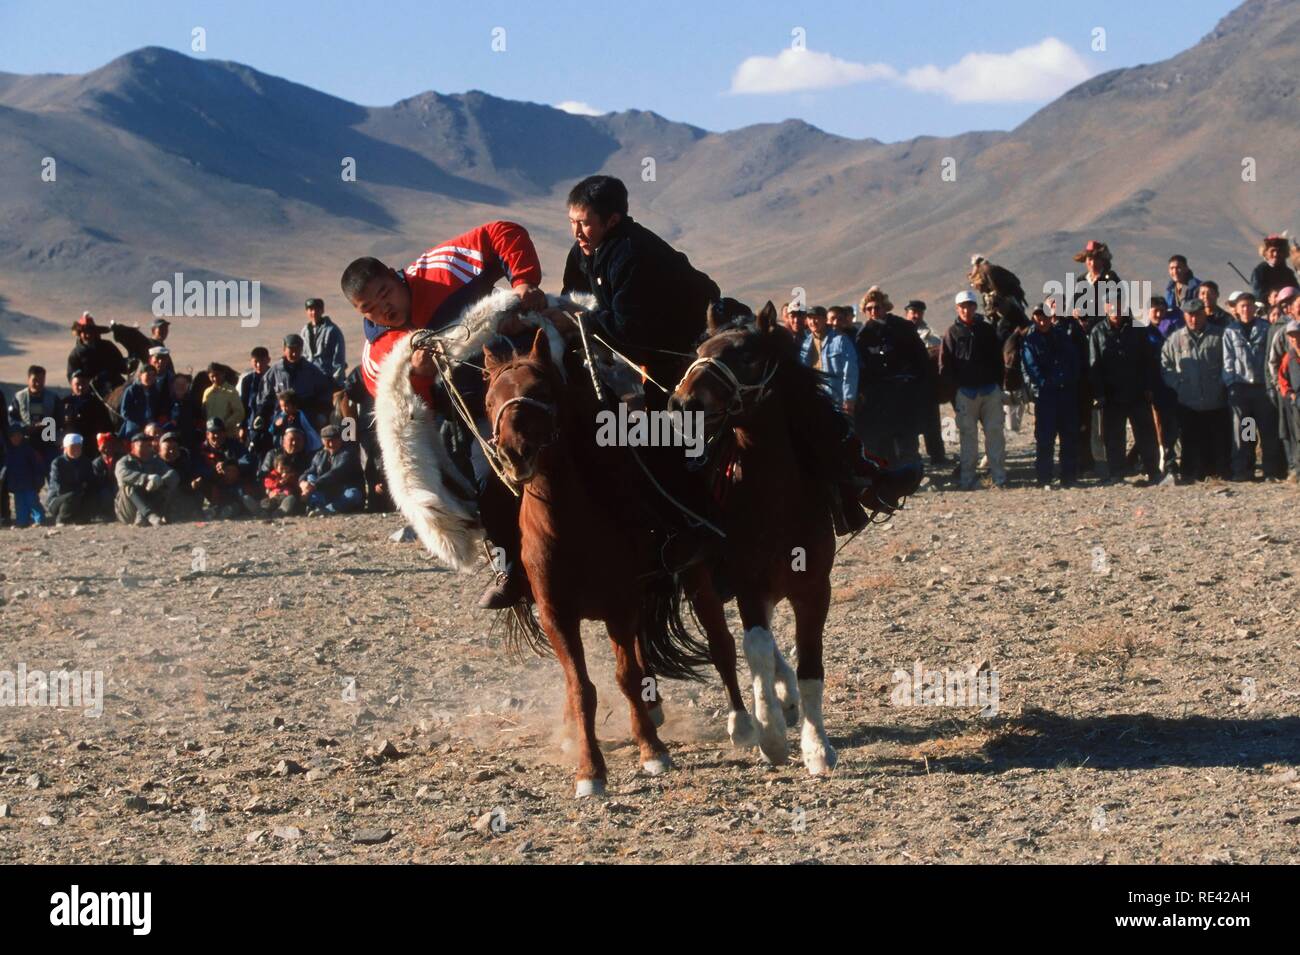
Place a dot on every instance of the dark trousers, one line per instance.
(933, 434)
(1290, 429)
(71, 507)
(1056, 418)
(1166, 415)
(1255, 417)
(1115, 416)
(1206, 441)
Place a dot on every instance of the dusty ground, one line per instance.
(1147, 710)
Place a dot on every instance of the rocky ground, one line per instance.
(310, 691)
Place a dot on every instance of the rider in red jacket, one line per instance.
(432, 292)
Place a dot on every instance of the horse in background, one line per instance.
(753, 390)
(589, 548)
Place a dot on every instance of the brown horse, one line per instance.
(751, 389)
(589, 550)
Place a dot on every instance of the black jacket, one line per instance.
(971, 355)
(1266, 278)
(332, 474)
(68, 475)
(87, 416)
(649, 296)
(102, 363)
(1119, 362)
(889, 350)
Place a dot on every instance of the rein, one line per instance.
(522, 400)
(739, 392)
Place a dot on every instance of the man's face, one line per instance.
(291, 442)
(817, 322)
(1156, 314)
(589, 229)
(914, 316)
(160, 332)
(79, 385)
(260, 364)
(213, 439)
(1244, 309)
(1196, 321)
(843, 321)
(332, 444)
(1041, 321)
(385, 300)
(966, 312)
(1208, 295)
(313, 315)
(148, 376)
(169, 450)
(142, 449)
(292, 353)
(36, 383)
(1094, 264)
(159, 362)
(796, 321)
(1272, 255)
(73, 451)
(85, 336)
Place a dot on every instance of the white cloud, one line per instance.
(579, 108)
(1032, 73)
(794, 70)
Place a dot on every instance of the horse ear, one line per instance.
(541, 348)
(490, 362)
(712, 318)
(767, 317)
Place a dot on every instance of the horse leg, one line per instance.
(722, 649)
(565, 636)
(787, 688)
(819, 756)
(630, 676)
(760, 653)
(656, 705)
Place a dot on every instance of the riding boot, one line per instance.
(878, 488)
(499, 512)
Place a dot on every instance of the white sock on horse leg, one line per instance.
(819, 757)
(760, 654)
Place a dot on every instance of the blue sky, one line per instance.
(893, 60)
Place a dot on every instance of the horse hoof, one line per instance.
(741, 729)
(820, 760)
(589, 787)
(772, 744)
(657, 766)
(657, 715)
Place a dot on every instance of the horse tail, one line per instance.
(667, 647)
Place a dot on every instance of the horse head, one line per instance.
(733, 372)
(523, 405)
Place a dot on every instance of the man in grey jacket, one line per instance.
(1191, 363)
(145, 484)
(1254, 415)
(322, 342)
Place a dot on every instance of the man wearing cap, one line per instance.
(793, 315)
(1051, 367)
(1191, 363)
(934, 396)
(141, 404)
(83, 413)
(145, 485)
(334, 482)
(1254, 416)
(970, 361)
(158, 330)
(294, 373)
(840, 318)
(1120, 369)
(322, 342)
(187, 502)
(69, 495)
(832, 354)
(99, 359)
(1273, 273)
(292, 443)
(218, 479)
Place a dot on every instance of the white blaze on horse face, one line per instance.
(819, 756)
(760, 654)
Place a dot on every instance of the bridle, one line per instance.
(550, 410)
(739, 392)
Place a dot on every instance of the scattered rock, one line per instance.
(287, 767)
(371, 837)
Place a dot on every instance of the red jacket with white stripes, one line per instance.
(447, 278)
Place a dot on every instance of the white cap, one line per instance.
(1232, 299)
(71, 438)
(159, 350)
(966, 296)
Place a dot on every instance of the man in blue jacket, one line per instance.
(69, 496)
(334, 483)
(140, 402)
(1050, 362)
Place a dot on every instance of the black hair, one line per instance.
(35, 370)
(288, 395)
(1180, 259)
(603, 195)
(1209, 283)
(260, 352)
(1157, 302)
(361, 273)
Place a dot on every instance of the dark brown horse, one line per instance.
(751, 389)
(589, 550)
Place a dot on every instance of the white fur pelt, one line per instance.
(427, 487)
